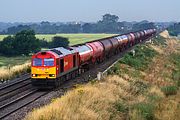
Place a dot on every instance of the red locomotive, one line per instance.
(51, 67)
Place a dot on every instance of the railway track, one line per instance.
(21, 101)
(16, 81)
(7, 107)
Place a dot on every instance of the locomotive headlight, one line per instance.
(52, 75)
(34, 75)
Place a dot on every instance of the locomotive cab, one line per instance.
(43, 66)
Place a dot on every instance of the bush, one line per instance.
(159, 41)
(144, 111)
(143, 56)
(114, 70)
(169, 90)
(59, 42)
(44, 43)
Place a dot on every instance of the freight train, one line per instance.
(49, 68)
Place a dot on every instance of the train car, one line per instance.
(115, 44)
(85, 54)
(123, 42)
(142, 36)
(131, 39)
(50, 67)
(107, 46)
(137, 37)
(98, 50)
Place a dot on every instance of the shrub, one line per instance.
(159, 41)
(169, 90)
(143, 56)
(114, 70)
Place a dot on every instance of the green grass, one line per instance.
(159, 40)
(169, 90)
(145, 111)
(2, 36)
(143, 56)
(75, 38)
(12, 61)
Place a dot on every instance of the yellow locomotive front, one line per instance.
(43, 68)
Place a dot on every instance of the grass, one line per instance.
(2, 37)
(140, 61)
(159, 41)
(73, 38)
(169, 90)
(12, 61)
(175, 59)
(89, 102)
(15, 71)
(142, 111)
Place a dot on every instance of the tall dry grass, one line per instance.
(90, 102)
(7, 73)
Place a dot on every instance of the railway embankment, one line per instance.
(144, 84)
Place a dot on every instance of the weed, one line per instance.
(144, 111)
(121, 107)
(154, 98)
(114, 70)
(169, 90)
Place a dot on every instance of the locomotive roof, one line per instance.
(61, 51)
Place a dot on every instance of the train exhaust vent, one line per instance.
(43, 53)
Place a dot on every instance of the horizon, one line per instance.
(88, 11)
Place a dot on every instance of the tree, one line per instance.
(109, 24)
(59, 42)
(174, 29)
(7, 47)
(108, 18)
(15, 29)
(25, 42)
(143, 25)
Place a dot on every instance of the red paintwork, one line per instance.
(85, 56)
(97, 48)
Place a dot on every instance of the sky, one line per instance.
(88, 10)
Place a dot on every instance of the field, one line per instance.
(2, 36)
(73, 38)
(12, 61)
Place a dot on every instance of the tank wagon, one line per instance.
(51, 67)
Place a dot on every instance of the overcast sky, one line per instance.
(88, 10)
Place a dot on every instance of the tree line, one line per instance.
(174, 29)
(108, 24)
(25, 42)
